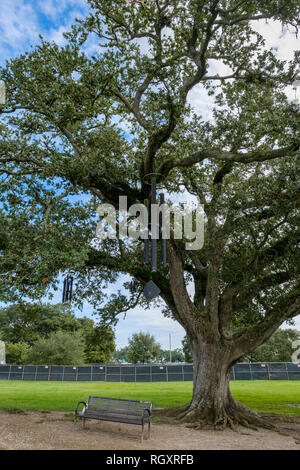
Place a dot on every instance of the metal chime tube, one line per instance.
(146, 240)
(67, 289)
(64, 291)
(162, 233)
(70, 288)
(153, 239)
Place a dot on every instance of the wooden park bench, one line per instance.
(115, 409)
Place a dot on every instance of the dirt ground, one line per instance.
(49, 431)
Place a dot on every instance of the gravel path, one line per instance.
(49, 431)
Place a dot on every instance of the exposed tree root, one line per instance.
(205, 417)
(173, 412)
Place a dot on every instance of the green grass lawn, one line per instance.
(263, 396)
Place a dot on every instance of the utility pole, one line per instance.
(170, 348)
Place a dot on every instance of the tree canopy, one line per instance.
(60, 348)
(26, 321)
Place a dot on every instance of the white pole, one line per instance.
(2, 353)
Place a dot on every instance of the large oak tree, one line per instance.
(79, 130)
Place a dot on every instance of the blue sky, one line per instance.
(22, 21)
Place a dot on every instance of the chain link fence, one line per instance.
(145, 373)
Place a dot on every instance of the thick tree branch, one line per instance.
(199, 57)
(71, 139)
(248, 339)
(222, 155)
(184, 306)
(134, 109)
(240, 19)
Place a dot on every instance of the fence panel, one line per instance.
(278, 371)
(113, 373)
(4, 372)
(159, 373)
(84, 374)
(16, 372)
(242, 371)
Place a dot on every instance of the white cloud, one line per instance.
(284, 43)
(151, 321)
(23, 21)
(19, 25)
(201, 102)
(283, 40)
(52, 8)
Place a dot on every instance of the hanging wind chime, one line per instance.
(151, 290)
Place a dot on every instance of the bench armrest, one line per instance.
(147, 410)
(79, 403)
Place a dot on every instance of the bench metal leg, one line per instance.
(142, 436)
(74, 422)
(149, 430)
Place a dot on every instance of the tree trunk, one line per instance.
(212, 404)
(214, 354)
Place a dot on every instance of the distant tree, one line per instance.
(16, 353)
(18, 323)
(142, 347)
(176, 355)
(26, 323)
(188, 357)
(277, 349)
(60, 348)
(121, 354)
(99, 344)
(58, 317)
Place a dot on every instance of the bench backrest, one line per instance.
(118, 406)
